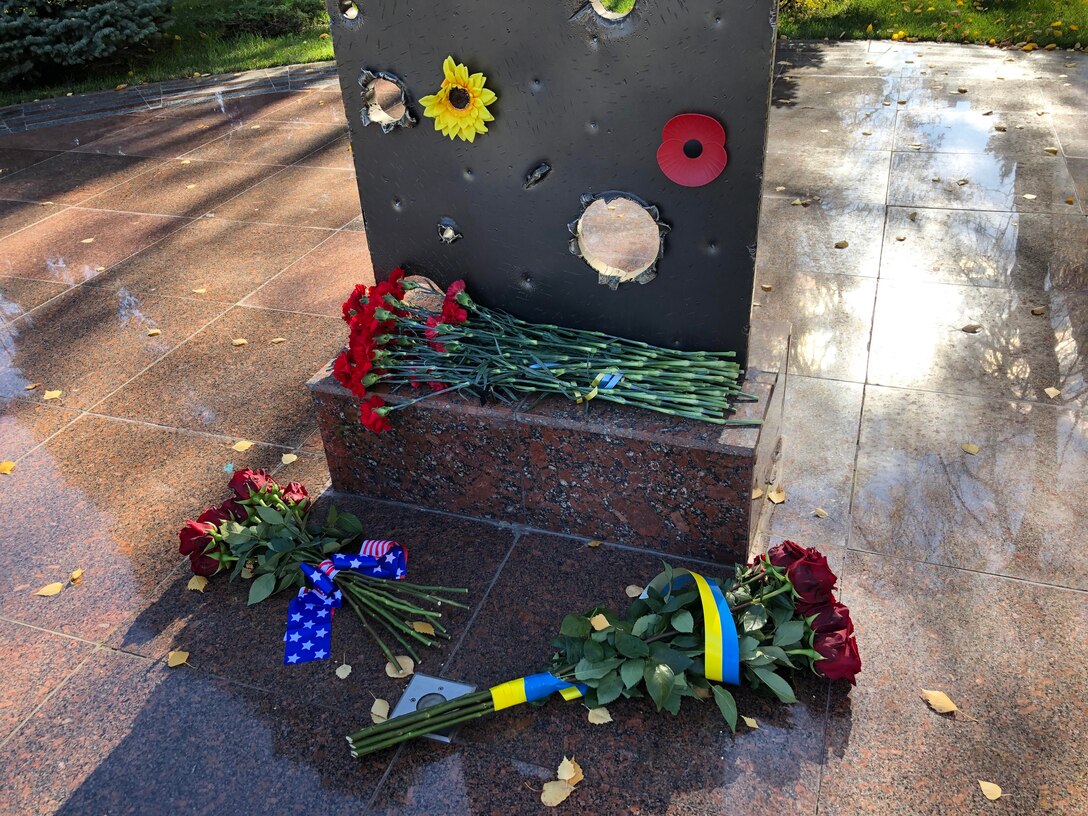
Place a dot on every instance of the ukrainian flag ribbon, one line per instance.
(532, 688)
(721, 650)
(606, 380)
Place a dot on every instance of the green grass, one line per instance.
(185, 51)
(997, 22)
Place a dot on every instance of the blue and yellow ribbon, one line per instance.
(606, 381)
(532, 688)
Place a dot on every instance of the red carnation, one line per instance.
(354, 304)
(371, 419)
(841, 659)
(812, 578)
(451, 311)
(244, 482)
(195, 536)
(437, 386)
(341, 369)
(784, 554)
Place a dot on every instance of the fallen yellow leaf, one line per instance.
(599, 716)
(49, 590)
(990, 790)
(777, 496)
(593, 544)
(200, 291)
(971, 328)
(240, 341)
(423, 627)
(87, 241)
(819, 512)
(939, 701)
(186, 161)
(842, 244)
(766, 287)
(153, 332)
(76, 577)
(970, 447)
(175, 659)
(51, 395)
(570, 771)
(189, 186)
(407, 668)
(275, 341)
(633, 591)
(1051, 392)
(197, 583)
(599, 622)
(32, 386)
(379, 712)
(288, 458)
(750, 721)
(555, 793)
(241, 446)
(7, 467)
(343, 670)
(1030, 196)
(1038, 310)
(1052, 151)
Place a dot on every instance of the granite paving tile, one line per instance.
(643, 762)
(1009, 653)
(318, 106)
(238, 109)
(943, 93)
(1078, 169)
(336, 154)
(163, 137)
(302, 196)
(115, 494)
(1028, 252)
(993, 182)
(819, 127)
(33, 664)
(918, 341)
(1072, 129)
(178, 741)
(182, 187)
(256, 391)
(844, 180)
(24, 425)
(75, 244)
(1004, 134)
(19, 295)
(269, 142)
(245, 643)
(831, 317)
(227, 259)
(320, 282)
(820, 431)
(797, 239)
(53, 345)
(12, 160)
(835, 92)
(15, 215)
(1011, 509)
(70, 178)
(67, 136)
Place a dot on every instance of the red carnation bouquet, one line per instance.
(405, 333)
(682, 639)
(264, 533)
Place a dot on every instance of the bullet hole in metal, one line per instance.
(398, 204)
(348, 10)
(537, 174)
(448, 231)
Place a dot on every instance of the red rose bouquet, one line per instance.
(264, 533)
(403, 333)
(684, 637)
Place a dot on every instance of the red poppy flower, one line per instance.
(692, 151)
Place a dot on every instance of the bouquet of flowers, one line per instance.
(406, 333)
(684, 637)
(263, 533)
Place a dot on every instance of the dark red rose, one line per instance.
(371, 419)
(784, 554)
(244, 482)
(833, 617)
(841, 659)
(234, 510)
(214, 516)
(296, 493)
(203, 565)
(195, 536)
(812, 578)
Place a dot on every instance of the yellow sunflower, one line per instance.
(460, 106)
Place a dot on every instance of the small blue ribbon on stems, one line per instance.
(309, 615)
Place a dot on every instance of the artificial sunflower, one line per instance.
(460, 106)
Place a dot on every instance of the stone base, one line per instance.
(611, 472)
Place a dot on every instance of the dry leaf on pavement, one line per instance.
(990, 790)
(599, 716)
(939, 701)
(633, 591)
(777, 496)
(423, 627)
(175, 659)
(49, 590)
(570, 771)
(379, 712)
(599, 622)
(343, 670)
(197, 583)
(751, 722)
(242, 446)
(556, 792)
(407, 668)
(7, 467)
(970, 447)
(288, 458)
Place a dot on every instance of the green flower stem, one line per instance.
(396, 625)
(366, 624)
(369, 747)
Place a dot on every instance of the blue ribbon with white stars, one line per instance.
(309, 615)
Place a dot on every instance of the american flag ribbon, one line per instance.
(309, 615)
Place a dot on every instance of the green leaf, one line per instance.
(779, 655)
(727, 705)
(595, 671)
(748, 646)
(776, 684)
(332, 517)
(682, 621)
(663, 654)
(270, 515)
(261, 588)
(575, 626)
(754, 618)
(631, 672)
(789, 633)
(610, 687)
(659, 677)
(592, 651)
(351, 523)
(644, 625)
(631, 646)
(679, 600)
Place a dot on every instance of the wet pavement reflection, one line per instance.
(924, 231)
